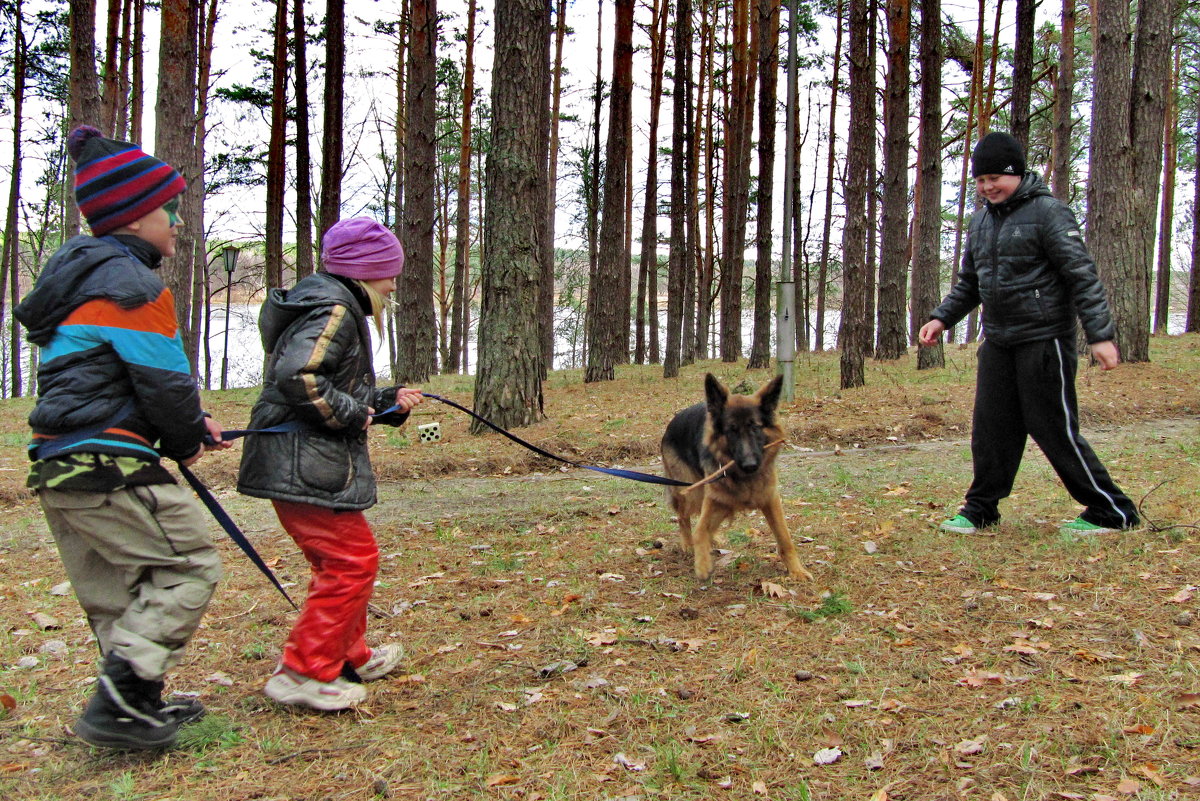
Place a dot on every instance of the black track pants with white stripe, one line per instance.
(1028, 390)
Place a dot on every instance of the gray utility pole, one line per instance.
(785, 308)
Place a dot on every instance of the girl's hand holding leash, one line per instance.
(406, 399)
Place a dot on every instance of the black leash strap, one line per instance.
(633, 475)
(231, 528)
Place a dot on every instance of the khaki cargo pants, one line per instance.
(142, 566)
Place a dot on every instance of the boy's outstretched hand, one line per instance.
(1105, 353)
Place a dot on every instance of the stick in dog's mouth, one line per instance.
(721, 470)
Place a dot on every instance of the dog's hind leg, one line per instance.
(773, 512)
(712, 515)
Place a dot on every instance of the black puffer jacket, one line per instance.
(1027, 264)
(318, 373)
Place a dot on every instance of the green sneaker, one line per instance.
(959, 525)
(1081, 526)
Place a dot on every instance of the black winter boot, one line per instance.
(181, 709)
(125, 711)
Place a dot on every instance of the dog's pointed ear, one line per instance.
(768, 397)
(716, 396)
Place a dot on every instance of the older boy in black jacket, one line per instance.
(1027, 264)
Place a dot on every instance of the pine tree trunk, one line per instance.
(508, 388)
(1191, 323)
(124, 61)
(416, 350)
(175, 118)
(737, 180)
(1022, 77)
(10, 257)
(462, 211)
(137, 79)
(276, 150)
(333, 119)
(647, 322)
(679, 262)
(110, 72)
(767, 21)
(194, 213)
(548, 290)
(1064, 94)
(304, 220)
(608, 300)
(83, 88)
(926, 270)
(703, 298)
(691, 123)
(1125, 156)
(891, 339)
(1151, 85)
(1166, 226)
(823, 269)
(854, 335)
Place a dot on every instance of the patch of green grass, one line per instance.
(211, 731)
(831, 605)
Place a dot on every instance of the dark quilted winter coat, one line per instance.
(319, 373)
(1027, 264)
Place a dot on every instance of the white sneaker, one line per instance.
(325, 696)
(383, 661)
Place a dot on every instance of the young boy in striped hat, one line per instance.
(114, 391)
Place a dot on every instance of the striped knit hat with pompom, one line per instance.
(117, 182)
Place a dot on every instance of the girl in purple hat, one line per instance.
(318, 476)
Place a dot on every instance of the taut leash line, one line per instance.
(633, 475)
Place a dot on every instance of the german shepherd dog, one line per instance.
(699, 440)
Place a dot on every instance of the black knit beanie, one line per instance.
(117, 182)
(998, 154)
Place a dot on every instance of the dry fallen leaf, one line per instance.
(1152, 772)
(968, 747)
(759, 788)
(8, 702)
(1129, 786)
(879, 795)
(975, 678)
(1188, 700)
(773, 590)
(1128, 679)
(1139, 729)
(501, 779)
(1181, 597)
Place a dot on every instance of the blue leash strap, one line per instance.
(633, 475)
(231, 528)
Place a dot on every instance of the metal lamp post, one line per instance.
(229, 255)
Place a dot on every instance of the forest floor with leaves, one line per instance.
(560, 647)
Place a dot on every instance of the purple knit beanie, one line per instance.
(117, 182)
(361, 248)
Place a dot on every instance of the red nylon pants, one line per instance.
(333, 620)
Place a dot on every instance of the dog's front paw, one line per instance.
(703, 566)
(799, 571)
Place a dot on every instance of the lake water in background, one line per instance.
(246, 351)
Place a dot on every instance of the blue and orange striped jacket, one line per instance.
(106, 327)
